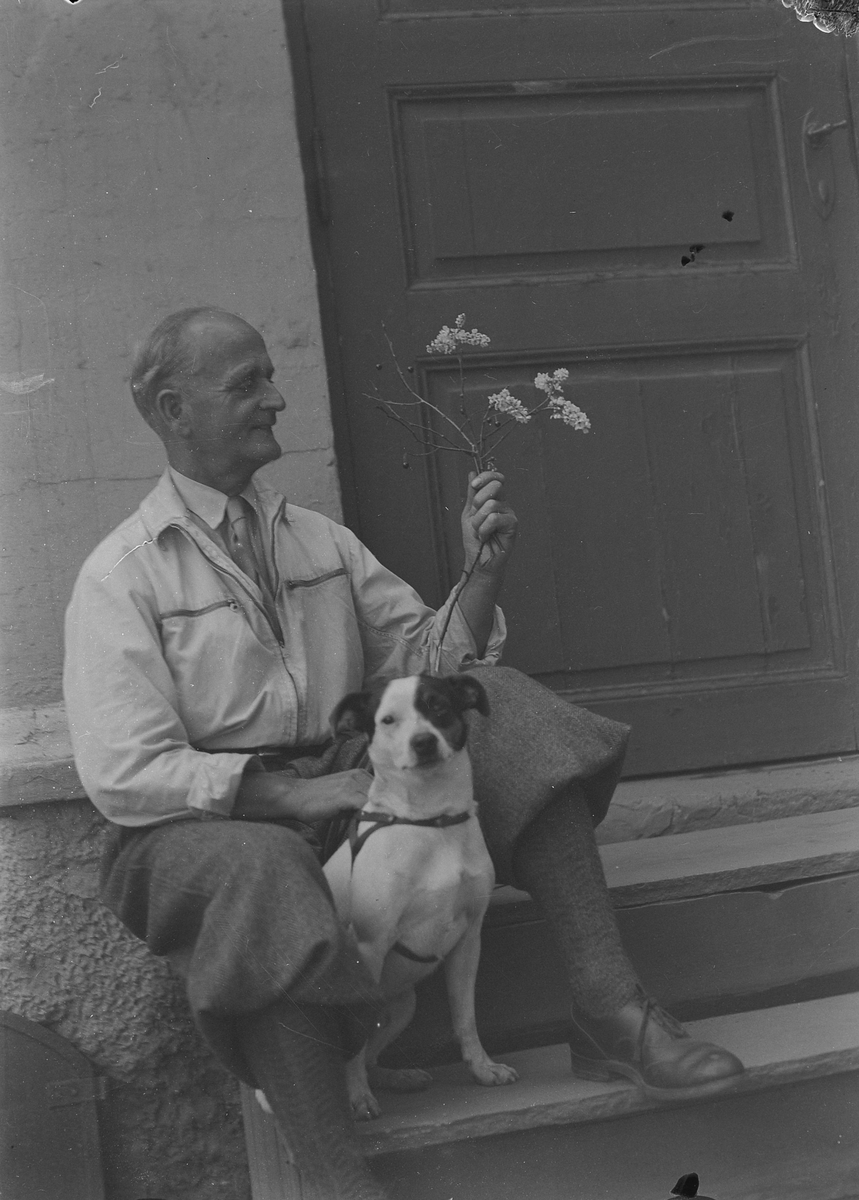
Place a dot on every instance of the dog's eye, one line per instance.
(389, 720)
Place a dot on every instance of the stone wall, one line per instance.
(170, 1121)
(148, 161)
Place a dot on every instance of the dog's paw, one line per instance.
(262, 1102)
(365, 1106)
(493, 1074)
(407, 1080)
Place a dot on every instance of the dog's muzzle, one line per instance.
(425, 747)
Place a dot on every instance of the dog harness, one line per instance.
(380, 820)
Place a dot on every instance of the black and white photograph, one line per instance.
(429, 636)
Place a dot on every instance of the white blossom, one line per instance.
(449, 339)
(506, 403)
(570, 414)
(552, 384)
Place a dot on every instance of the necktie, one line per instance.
(240, 543)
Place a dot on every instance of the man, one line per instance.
(208, 639)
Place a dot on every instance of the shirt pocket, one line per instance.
(212, 655)
(321, 615)
(315, 581)
(184, 613)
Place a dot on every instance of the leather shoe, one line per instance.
(643, 1043)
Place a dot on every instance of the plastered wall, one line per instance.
(170, 1121)
(148, 161)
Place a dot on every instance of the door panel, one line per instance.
(694, 151)
(690, 565)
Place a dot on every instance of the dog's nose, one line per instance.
(425, 745)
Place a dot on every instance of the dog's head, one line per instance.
(413, 723)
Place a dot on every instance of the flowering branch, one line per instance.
(503, 411)
(501, 416)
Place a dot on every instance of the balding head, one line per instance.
(169, 355)
(203, 381)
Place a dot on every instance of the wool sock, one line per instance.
(296, 1054)
(558, 863)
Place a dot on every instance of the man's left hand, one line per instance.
(489, 524)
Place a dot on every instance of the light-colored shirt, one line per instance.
(207, 508)
(173, 672)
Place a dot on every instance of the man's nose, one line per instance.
(273, 399)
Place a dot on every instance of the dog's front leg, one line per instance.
(461, 974)
(364, 1104)
(398, 1014)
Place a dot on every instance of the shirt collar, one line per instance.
(206, 502)
(164, 506)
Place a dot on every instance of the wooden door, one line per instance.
(545, 167)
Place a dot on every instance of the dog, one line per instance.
(414, 879)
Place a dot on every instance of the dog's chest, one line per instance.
(447, 884)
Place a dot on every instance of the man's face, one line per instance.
(231, 404)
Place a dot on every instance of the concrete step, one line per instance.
(561, 1138)
(551, 1136)
(673, 804)
(717, 860)
(708, 918)
(795, 1042)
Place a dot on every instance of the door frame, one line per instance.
(315, 188)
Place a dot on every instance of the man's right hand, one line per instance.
(272, 796)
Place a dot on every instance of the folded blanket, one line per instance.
(530, 749)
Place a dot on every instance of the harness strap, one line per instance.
(418, 958)
(380, 820)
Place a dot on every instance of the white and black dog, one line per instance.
(414, 879)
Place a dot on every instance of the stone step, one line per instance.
(551, 1136)
(561, 1138)
(792, 1043)
(704, 800)
(708, 919)
(713, 860)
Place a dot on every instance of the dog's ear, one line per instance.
(469, 693)
(354, 714)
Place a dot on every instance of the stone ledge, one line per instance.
(36, 766)
(789, 1044)
(711, 799)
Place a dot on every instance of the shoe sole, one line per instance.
(604, 1072)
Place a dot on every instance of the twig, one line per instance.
(462, 407)
(458, 590)
(422, 399)
(384, 407)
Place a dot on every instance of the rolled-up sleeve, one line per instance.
(131, 747)
(401, 635)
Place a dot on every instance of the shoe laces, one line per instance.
(652, 1011)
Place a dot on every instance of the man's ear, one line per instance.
(469, 693)
(170, 412)
(354, 714)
